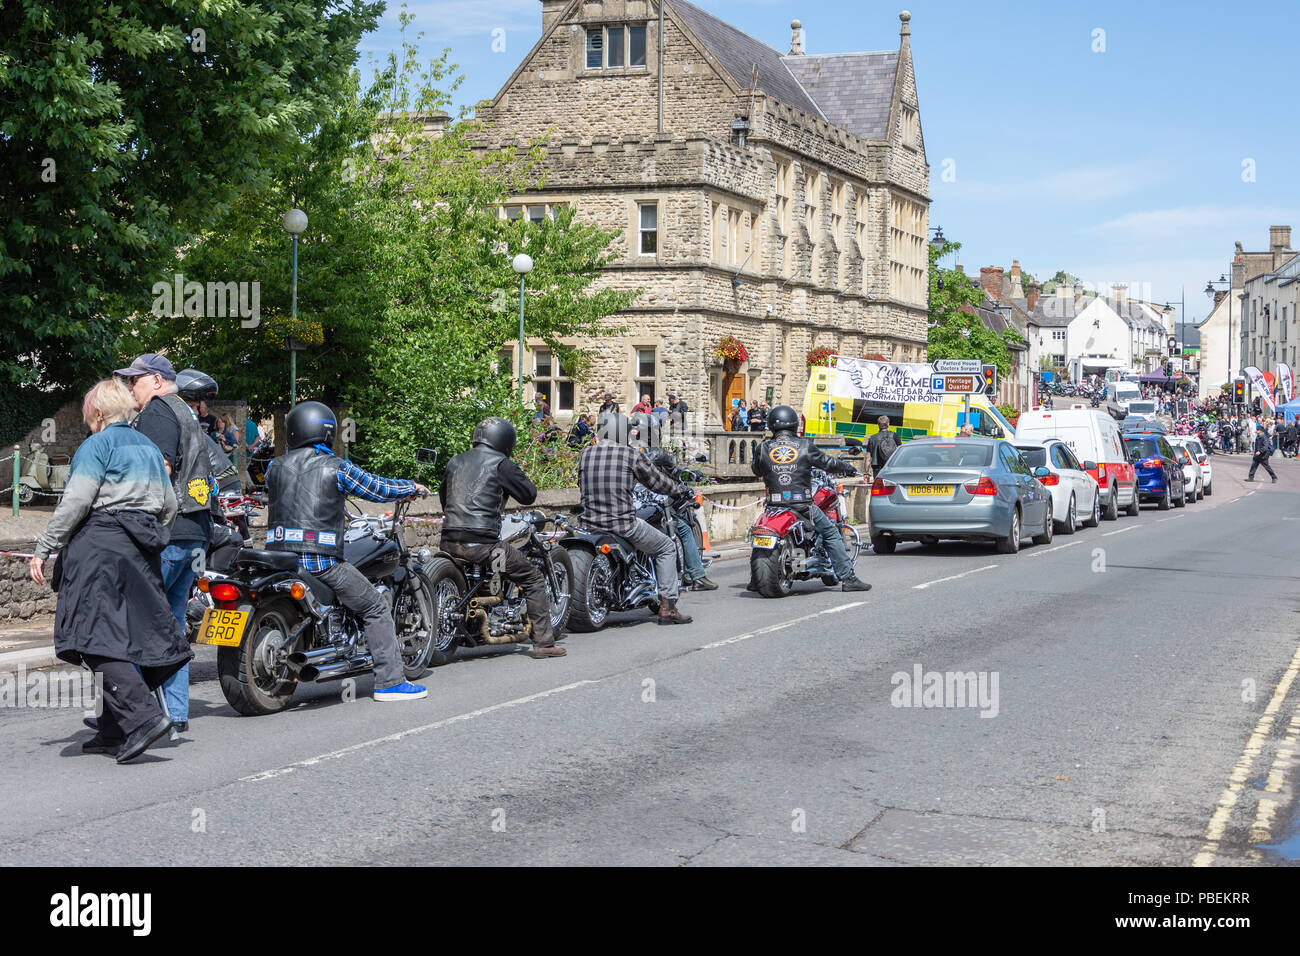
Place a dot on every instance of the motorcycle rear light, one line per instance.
(604, 549)
(1052, 479)
(224, 592)
(297, 591)
(985, 486)
(881, 487)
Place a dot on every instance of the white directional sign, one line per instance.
(957, 367)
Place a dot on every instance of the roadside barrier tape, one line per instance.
(756, 501)
(19, 554)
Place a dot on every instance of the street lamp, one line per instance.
(522, 264)
(294, 222)
(1210, 291)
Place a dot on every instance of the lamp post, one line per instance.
(294, 222)
(1210, 291)
(522, 264)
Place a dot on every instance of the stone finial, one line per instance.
(796, 38)
(905, 17)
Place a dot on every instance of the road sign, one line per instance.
(956, 367)
(961, 384)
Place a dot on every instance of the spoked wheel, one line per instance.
(773, 570)
(592, 582)
(1094, 519)
(416, 621)
(447, 589)
(561, 601)
(255, 676)
(852, 542)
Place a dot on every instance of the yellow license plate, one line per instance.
(914, 491)
(223, 628)
(764, 541)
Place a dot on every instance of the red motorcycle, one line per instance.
(786, 548)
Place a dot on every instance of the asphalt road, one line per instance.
(1133, 715)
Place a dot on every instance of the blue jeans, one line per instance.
(833, 542)
(694, 569)
(178, 574)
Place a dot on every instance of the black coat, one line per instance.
(111, 600)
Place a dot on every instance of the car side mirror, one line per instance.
(1089, 466)
(1041, 472)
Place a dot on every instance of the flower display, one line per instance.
(731, 350)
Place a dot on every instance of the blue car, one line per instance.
(1159, 472)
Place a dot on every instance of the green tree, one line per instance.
(955, 329)
(126, 128)
(1061, 278)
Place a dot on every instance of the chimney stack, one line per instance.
(796, 38)
(1031, 300)
(991, 282)
(960, 267)
(1017, 290)
(1119, 292)
(1279, 238)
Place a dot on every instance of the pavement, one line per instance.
(1133, 702)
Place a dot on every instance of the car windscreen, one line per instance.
(1141, 448)
(1034, 457)
(1141, 408)
(942, 455)
(1125, 392)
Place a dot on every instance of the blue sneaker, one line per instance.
(403, 691)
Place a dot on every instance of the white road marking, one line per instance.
(392, 738)
(1170, 518)
(1214, 830)
(1132, 527)
(777, 627)
(1036, 552)
(954, 577)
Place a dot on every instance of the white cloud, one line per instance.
(1084, 184)
(1246, 223)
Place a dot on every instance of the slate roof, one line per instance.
(852, 90)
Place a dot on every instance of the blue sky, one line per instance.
(1119, 165)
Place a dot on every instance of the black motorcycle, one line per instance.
(259, 459)
(611, 575)
(276, 625)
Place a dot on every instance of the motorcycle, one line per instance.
(259, 458)
(474, 605)
(608, 573)
(786, 548)
(276, 625)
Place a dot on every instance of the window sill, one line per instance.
(593, 73)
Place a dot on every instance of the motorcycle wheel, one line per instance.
(26, 495)
(255, 676)
(774, 571)
(852, 542)
(448, 589)
(561, 607)
(413, 613)
(591, 582)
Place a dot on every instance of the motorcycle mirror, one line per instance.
(701, 458)
(426, 456)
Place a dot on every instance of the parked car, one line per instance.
(1191, 472)
(1091, 435)
(972, 489)
(1074, 491)
(1202, 456)
(1159, 473)
(1143, 408)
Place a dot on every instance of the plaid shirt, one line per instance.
(607, 473)
(361, 483)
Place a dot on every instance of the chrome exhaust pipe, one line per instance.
(299, 659)
(336, 669)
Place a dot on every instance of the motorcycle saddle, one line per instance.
(276, 560)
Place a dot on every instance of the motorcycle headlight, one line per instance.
(425, 555)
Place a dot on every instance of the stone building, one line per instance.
(780, 199)
(1268, 325)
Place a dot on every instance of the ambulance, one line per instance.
(849, 396)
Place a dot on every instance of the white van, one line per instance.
(1118, 395)
(1093, 436)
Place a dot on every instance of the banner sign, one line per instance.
(870, 381)
(1260, 385)
(1286, 380)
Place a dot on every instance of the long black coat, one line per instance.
(111, 599)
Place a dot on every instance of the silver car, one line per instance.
(975, 489)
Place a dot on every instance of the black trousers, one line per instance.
(522, 571)
(129, 701)
(1261, 459)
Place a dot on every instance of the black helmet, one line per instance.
(310, 423)
(783, 418)
(195, 386)
(496, 433)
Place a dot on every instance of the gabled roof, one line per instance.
(851, 90)
(854, 90)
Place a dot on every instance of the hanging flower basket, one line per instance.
(820, 356)
(294, 335)
(731, 352)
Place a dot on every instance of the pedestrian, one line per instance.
(757, 418)
(660, 413)
(739, 419)
(168, 422)
(112, 614)
(882, 445)
(582, 431)
(1263, 447)
(542, 408)
(677, 409)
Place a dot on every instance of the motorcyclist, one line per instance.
(785, 463)
(474, 489)
(307, 490)
(693, 573)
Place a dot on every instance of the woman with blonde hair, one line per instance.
(112, 614)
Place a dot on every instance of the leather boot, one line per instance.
(668, 613)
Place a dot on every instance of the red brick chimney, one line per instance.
(1031, 298)
(991, 282)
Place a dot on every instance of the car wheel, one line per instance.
(1134, 506)
(1182, 499)
(1094, 518)
(1200, 492)
(1045, 537)
(1011, 543)
(882, 544)
(1112, 507)
(1164, 503)
(1209, 489)
(1071, 518)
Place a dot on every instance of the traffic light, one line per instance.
(1239, 392)
(990, 379)
(1169, 370)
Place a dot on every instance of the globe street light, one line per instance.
(522, 264)
(294, 222)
